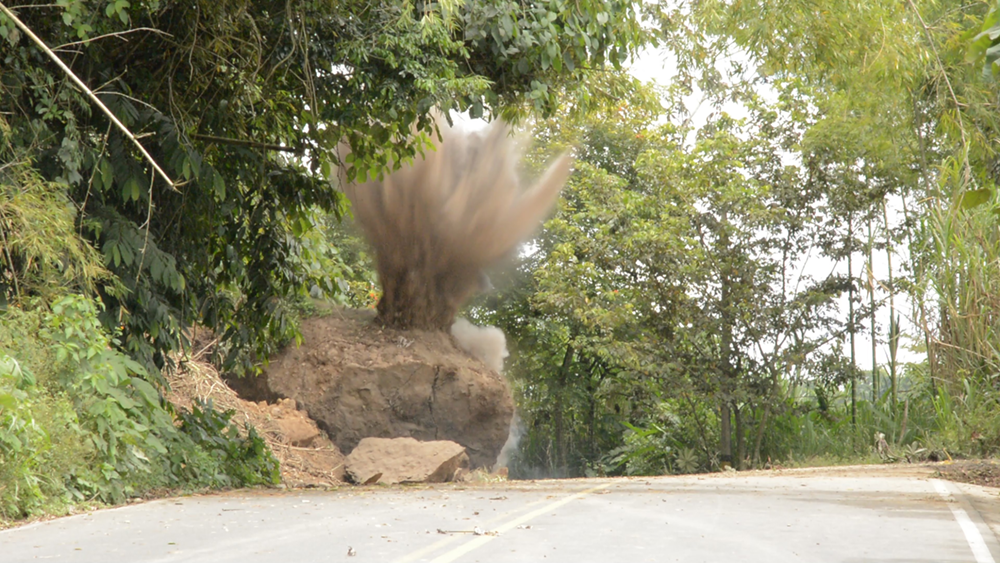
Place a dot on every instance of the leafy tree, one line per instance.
(665, 282)
(904, 105)
(242, 105)
(223, 95)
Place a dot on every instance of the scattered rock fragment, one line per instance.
(295, 426)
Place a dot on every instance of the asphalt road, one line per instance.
(807, 516)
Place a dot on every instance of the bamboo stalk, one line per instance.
(871, 298)
(893, 318)
(850, 317)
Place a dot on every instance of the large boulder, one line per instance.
(405, 460)
(359, 380)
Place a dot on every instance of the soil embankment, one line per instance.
(351, 379)
(307, 457)
(359, 380)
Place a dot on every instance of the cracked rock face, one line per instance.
(358, 380)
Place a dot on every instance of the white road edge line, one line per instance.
(972, 535)
(482, 540)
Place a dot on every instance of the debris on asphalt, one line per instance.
(477, 531)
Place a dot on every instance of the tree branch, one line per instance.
(951, 91)
(115, 34)
(245, 143)
(90, 94)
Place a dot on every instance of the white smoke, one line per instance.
(510, 446)
(487, 343)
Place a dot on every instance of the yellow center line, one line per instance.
(480, 541)
(454, 538)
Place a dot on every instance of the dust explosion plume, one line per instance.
(436, 224)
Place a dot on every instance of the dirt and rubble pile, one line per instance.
(405, 460)
(983, 472)
(359, 380)
(307, 457)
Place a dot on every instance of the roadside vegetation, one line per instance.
(671, 316)
(813, 176)
(107, 259)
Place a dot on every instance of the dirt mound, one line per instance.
(405, 460)
(983, 472)
(358, 380)
(307, 457)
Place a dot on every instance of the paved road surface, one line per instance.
(842, 516)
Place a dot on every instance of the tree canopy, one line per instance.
(243, 104)
(669, 317)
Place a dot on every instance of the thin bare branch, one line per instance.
(130, 98)
(245, 143)
(115, 34)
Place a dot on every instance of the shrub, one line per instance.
(79, 420)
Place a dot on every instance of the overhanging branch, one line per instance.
(245, 143)
(89, 93)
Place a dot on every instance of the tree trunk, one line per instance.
(917, 265)
(894, 326)
(850, 314)
(702, 430)
(741, 442)
(871, 297)
(725, 436)
(558, 407)
(592, 383)
(726, 383)
(762, 426)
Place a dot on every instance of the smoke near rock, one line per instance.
(514, 435)
(487, 343)
(437, 223)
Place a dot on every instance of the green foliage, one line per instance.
(966, 422)
(667, 276)
(900, 110)
(41, 251)
(986, 45)
(239, 461)
(645, 452)
(117, 409)
(78, 422)
(219, 93)
(40, 446)
(23, 444)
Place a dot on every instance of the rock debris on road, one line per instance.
(801, 516)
